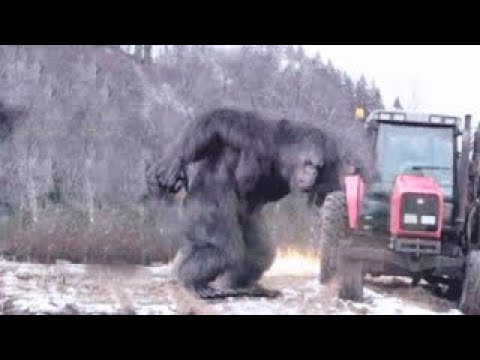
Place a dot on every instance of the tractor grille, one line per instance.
(419, 212)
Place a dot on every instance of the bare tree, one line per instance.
(138, 51)
(148, 56)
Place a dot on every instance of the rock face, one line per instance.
(78, 125)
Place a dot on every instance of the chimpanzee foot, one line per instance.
(260, 291)
(209, 293)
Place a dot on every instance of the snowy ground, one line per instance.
(66, 288)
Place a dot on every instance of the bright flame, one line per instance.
(294, 262)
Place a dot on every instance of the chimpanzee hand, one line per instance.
(167, 175)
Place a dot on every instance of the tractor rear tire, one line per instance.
(333, 226)
(470, 299)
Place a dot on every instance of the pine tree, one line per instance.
(397, 104)
(362, 95)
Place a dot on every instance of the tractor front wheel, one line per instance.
(333, 225)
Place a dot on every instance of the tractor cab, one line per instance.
(408, 144)
(414, 147)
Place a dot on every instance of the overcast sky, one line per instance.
(431, 78)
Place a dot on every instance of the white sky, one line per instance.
(430, 78)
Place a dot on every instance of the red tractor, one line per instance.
(419, 217)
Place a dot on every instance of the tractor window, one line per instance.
(416, 150)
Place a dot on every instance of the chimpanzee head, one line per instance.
(302, 155)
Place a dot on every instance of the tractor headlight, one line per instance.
(410, 219)
(428, 220)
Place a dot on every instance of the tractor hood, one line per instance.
(416, 207)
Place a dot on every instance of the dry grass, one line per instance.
(70, 237)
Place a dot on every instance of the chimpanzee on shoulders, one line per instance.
(242, 162)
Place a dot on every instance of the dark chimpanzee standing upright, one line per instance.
(242, 162)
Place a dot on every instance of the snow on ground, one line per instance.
(305, 296)
(65, 288)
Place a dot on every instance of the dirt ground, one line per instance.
(65, 288)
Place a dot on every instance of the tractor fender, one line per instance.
(354, 189)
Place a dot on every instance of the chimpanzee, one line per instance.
(241, 162)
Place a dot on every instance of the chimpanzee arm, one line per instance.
(205, 136)
(224, 127)
(329, 179)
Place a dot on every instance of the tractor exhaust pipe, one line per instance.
(463, 171)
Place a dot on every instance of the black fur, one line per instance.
(241, 162)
